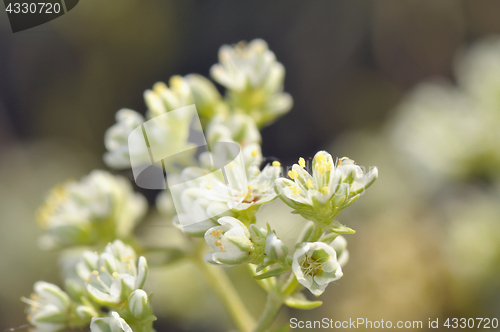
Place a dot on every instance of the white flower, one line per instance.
(113, 323)
(230, 241)
(320, 197)
(49, 307)
(113, 275)
(99, 208)
(243, 187)
(206, 97)
(254, 80)
(315, 265)
(162, 99)
(167, 135)
(116, 140)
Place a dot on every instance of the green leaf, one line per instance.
(299, 301)
(272, 273)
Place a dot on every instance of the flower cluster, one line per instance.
(98, 209)
(110, 280)
(214, 194)
(322, 195)
(451, 130)
(254, 80)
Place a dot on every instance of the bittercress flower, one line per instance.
(315, 265)
(97, 209)
(322, 195)
(113, 275)
(230, 242)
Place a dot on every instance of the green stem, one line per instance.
(316, 233)
(271, 310)
(223, 288)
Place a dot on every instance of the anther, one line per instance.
(115, 275)
(95, 272)
(276, 163)
(326, 190)
(293, 174)
(254, 153)
(208, 186)
(302, 162)
(309, 184)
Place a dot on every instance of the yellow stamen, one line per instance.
(276, 163)
(322, 169)
(339, 162)
(217, 243)
(98, 279)
(126, 258)
(302, 162)
(102, 269)
(325, 190)
(218, 234)
(250, 187)
(115, 275)
(221, 248)
(95, 272)
(128, 266)
(254, 153)
(208, 186)
(295, 190)
(320, 159)
(159, 87)
(309, 184)
(293, 174)
(87, 279)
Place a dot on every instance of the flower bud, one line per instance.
(275, 248)
(138, 304)
(113, 323)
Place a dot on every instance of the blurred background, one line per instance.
(412, 87)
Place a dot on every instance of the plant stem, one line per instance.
(223, 288)
(316, 233)
(271, 310)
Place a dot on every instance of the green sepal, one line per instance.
(299, 301)
(272, 273)
(328, 238)
(265, 263)
(341, 229)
